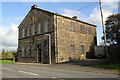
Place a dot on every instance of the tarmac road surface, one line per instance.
(29, 71)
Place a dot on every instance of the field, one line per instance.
(6, 62)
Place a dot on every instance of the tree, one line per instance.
(112, 25)
(3, 51)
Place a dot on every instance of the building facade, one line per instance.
(47, 37)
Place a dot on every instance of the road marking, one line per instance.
(7, 69)
(28, 72)
(32, 73)
(22, 71)
(53, 77)
(57, 78)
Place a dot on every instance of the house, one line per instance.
(47, 37)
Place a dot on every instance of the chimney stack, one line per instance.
(74, 17)
(34, 6)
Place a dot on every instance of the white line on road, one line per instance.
(57, 78)
(28, 72)
(53, 77)
(7, 69)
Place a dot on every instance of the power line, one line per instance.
(85, 7)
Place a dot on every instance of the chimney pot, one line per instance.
(34, 6)
(74, 17)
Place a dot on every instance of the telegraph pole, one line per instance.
(104, 30)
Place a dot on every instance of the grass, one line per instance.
(6, 62)
(110, 66)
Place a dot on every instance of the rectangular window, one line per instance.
(82, 28)
(72, 48)
(28, 32)
(23, 33)
(33, 30)
(19, 33)
(23, 52)
(27, 52)
(39, 28)
(82, 49)
(46, 26)
(32, 51)
(72, 26)
(89, 31)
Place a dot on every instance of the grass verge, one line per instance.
(110, 66)
(6, 62)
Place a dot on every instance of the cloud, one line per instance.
(19, 18)
(95, 16)
(71, 13)
(110, 5)
(9, 37)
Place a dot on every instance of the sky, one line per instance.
(13, 13)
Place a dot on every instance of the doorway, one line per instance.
(39, 54)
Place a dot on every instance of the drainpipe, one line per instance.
(37, 55)
(50, 55)
(56, 50)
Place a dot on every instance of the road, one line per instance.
(30, 71)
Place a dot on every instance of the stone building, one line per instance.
(47, 37)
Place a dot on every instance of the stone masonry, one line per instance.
(47, 37)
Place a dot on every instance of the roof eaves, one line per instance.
(74, 19)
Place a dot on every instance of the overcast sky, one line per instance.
(14, 12)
